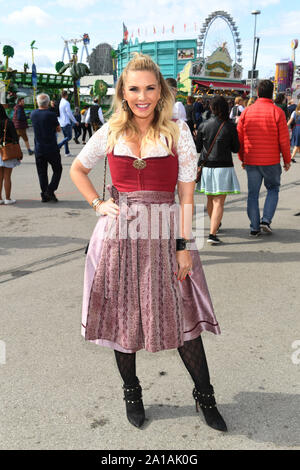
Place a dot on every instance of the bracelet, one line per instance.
(181, 244)
(96, 201)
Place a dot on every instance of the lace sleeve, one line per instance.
(187, 154)
(95, 149)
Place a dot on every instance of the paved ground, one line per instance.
(58, 392)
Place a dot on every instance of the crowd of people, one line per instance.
(48, 120)
(204, 118)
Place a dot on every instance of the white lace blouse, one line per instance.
(95, 149)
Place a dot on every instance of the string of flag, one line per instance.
(158, 30)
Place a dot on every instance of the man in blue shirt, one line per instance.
(45, 126)
(65, 120)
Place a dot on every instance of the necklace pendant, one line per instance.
(139, 164)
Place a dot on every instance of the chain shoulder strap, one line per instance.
(104, 179)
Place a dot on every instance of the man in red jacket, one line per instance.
(263, 135)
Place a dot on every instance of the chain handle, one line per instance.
(104, 180)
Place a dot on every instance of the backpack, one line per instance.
(235, 114)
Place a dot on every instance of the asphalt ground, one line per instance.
(60, 392)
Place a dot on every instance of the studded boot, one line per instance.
(205, 400)
(134, 404)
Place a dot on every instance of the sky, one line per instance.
(47, 22)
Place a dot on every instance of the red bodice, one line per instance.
(160, 173)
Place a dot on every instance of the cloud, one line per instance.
(75, 4)
(289, 25)
(28, 14)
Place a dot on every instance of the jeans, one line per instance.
(256, 174)
(42, 168)
(67, 131)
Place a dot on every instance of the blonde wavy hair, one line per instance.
(122, 119)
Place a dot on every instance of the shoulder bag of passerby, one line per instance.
(202, 163)
(8, 150)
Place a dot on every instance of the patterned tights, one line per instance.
(192, 353)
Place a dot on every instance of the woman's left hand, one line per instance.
(185, 264)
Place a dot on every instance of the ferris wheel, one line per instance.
(202, 38)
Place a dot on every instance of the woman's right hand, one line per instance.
(108, 208)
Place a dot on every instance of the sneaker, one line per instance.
(294, 160)
(9, 201)
(69, 155)
(255, 233)
(30, 152)
(213, 239)
(266, 227)
(1, 201)
(83, 143)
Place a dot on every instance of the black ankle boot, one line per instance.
(134, 404)
(206, 401)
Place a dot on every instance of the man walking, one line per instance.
(263, 135)
(45, 126)
(65, 120)
(95, 116)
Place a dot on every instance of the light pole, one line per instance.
(255, 13)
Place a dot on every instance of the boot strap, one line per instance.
(205, 400)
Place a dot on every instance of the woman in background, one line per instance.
(6, 167)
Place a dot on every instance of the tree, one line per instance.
(8, 52)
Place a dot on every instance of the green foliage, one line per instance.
(113, 54)
(8, 51)
(100, 88)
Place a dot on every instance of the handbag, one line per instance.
(202, 163)
(9, 151)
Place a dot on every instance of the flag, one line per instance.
(184, 27)
(125, 34)
(154, 30)
(139, 31)
(163, 29)
(172, 28)
(34, 76)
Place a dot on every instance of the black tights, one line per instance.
(192, 353)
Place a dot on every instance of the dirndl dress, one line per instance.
(132, 299)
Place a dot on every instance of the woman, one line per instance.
(20, 123)
(251, 101)
(145, 292)
(6, 167)
(237, 109)
(280, 101)
(294, 122)
(218, 176)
